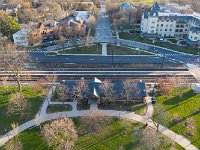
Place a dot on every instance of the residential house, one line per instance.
(43, 32)
(74, 28)
(126, 5)
(172, 20)
(84, 15)
(21, 38)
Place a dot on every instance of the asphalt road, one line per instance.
(103, 29)
(93, 59)
(170, 54)
(104, 34)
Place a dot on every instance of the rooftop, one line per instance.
(23, 31)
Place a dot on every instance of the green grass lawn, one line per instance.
(136, 37)
(58, 108)
(112, 137)
(119, 50)
(94, 49)
(188, 108)
(189, 50)
(130, 36)
(139, 108)
(35, 98)
(83, 106)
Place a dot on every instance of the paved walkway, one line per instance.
(104, 49)
(42, 116)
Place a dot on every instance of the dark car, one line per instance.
(153, 100)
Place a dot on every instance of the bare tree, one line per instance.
(130, 14)
(94, 121)
(14, 144)
(160, 117)
(13, 61)
(128, 88)
(92, 21)
(107, 89)
(191, 128)
(148, 139)
(17, 104)
(60, 134)
(62, 91)
(81, 89)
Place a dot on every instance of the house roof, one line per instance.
(126, 5)
(139, 89)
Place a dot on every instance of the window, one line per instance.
(170, 29)
(171, 25)
(165, 29)
(152, 27)
(195, 38)
(160, 29)
(161, 25)
(166, 25)
(157, 25)
(185, 29)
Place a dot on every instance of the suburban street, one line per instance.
(103, 29)
(98, 59)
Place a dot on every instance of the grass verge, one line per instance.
(58, 108)
(188, 109)
(119, 50)
(34, 97)
(94, 49)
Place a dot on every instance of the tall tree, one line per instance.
(13, 60)
(94, 121)
(60, 134)
(160, 117)
(62, 91)
(107, 89)
(17, 104)
(81, 89)
(9, 26)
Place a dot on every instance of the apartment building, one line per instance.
(172, 20)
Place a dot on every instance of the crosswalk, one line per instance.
(32, 51)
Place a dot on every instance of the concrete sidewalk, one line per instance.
(104, 49)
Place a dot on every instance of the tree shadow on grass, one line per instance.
(184, 118)
(175, 100)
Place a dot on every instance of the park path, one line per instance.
(42, 116)
(104, 49)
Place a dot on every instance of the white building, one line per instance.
(84, 15)
(21, 37)
(172, 20)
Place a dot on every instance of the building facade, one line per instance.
(172, 20)
(21, 37)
